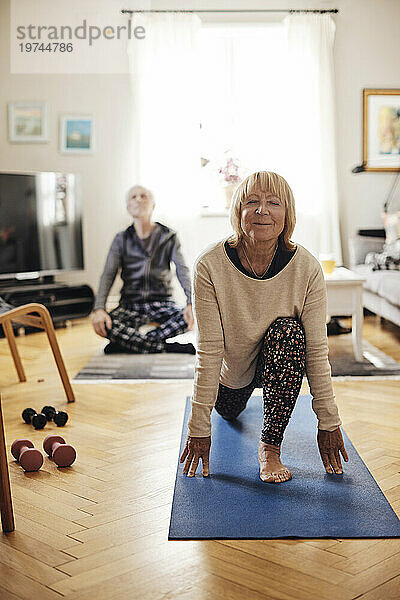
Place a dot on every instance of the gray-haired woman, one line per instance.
(260, 311)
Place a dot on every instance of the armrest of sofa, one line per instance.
(360, 245)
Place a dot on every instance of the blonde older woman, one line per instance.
(260, 311)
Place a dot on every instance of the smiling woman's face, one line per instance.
(263, 215)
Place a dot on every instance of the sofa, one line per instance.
(381, 289)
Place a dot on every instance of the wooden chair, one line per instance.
(7, 514)
(35, 315)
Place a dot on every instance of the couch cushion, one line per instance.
(384, 283)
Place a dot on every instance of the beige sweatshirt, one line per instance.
(232, 313)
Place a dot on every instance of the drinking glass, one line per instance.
(328, 262)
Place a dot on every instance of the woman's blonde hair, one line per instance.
(266, 181)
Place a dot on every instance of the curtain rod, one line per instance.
(256, 10)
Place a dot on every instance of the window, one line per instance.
(243, 100)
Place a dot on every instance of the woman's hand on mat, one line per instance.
(330, 444)
(101, 319)
(196, 448)
(188, 316)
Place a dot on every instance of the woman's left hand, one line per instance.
(330, 443)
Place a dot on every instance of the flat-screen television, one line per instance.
(40, 224)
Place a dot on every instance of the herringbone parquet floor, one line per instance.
(99, 530)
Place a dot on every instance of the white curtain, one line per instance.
(311, 114)
(278, 109)
(166, 122)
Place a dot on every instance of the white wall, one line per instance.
(105, 174)
(367, 52)
(366, 55)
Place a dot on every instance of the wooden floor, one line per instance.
(98, 530)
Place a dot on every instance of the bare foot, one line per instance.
(271, 468)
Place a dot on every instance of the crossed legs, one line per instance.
(127, 320)
(279, 371)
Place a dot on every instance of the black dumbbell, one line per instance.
(58, 416)
(38, 420)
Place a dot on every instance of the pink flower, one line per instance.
(230, 171)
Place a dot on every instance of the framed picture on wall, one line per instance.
(76, 134)
(28, 122)
(381, 130)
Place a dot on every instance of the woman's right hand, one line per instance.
(196, 448)
(100, 320)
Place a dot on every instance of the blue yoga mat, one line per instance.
(233, 502)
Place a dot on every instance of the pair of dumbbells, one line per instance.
(31, 459)
(48, 413)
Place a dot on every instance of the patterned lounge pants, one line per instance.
(126, 320)
(280, 369)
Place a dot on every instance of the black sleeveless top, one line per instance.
(281, 259)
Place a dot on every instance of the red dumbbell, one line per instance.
(63, 454)
(29, 457)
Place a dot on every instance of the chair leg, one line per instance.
(7, 514)
(51, 335)
(8, 331)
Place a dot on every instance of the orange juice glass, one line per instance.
(328, 263)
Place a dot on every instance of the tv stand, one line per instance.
(47, 279)
(16, 282)
(63, 301)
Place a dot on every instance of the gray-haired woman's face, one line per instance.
(139, 203)
(263, 215)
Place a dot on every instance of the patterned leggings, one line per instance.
(279, 371)
(126, 320)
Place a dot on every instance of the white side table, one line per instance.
(344, 291)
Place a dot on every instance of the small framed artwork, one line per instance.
(381, 130)
(76, 134)
(28, 122)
